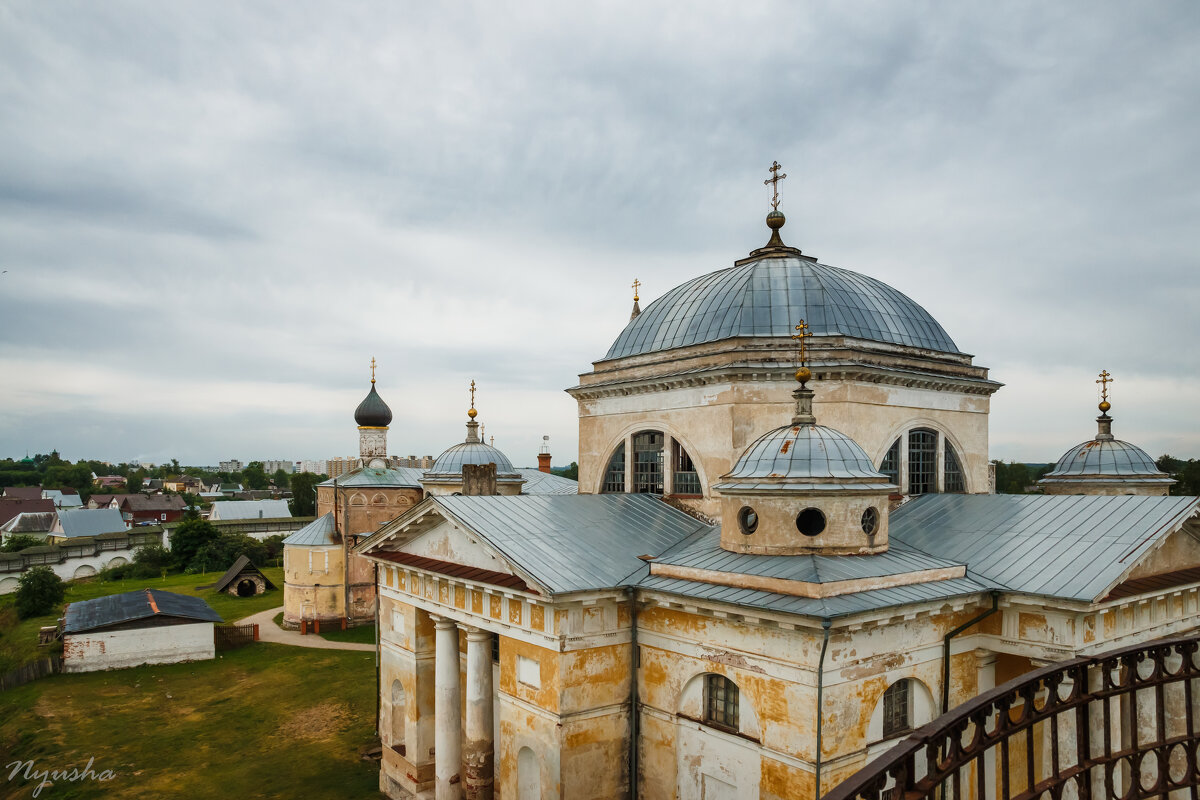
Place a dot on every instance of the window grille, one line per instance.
(890, 465)
(648, 463)
(614, 476)
(897, 718)
(954, 476)
(721, 700)
(686, 479)
(922, 461)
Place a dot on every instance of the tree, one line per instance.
(256, 477)
(304, 494)
(39, 592)
(135, 483)
(219, 554)
(19, 542)
(189, 538)
(280, 478)
(571, 472)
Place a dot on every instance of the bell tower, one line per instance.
(373, 417)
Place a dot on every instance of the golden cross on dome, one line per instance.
(1105, 380)
(472, 394)
(372, 369)
(803, 334)
(636, 284)
(774, 181)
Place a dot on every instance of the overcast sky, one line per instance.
(212, 216)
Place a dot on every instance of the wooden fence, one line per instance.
(227, 637)
(30, 672)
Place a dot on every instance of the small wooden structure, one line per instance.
(243, 579)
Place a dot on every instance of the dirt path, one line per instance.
(268, 631)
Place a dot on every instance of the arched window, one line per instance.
(953, 478)
(614, 476)
(890, 465)
(684, 480)
(922, 461)
(398, 714)
(529, 776)
(897, 709)
(648, 463)
(721, 702)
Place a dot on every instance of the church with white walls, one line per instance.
(785, 553)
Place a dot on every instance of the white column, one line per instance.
(447, 712)
(479, 751)
(629, 463)
(985, 672)
(669, 446)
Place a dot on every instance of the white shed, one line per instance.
(149, 626)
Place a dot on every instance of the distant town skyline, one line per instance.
(214, 218)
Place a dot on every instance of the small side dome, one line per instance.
(372, 412)
(804, 452)
(1111, 458)
(451, 462)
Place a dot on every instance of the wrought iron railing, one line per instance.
(1119, 725)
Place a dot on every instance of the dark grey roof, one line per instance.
(802, 452)
(115, 609)
(1069, 546)
(241, 565)
(570, 543)
(538, 482)
(90, 521)
(29, 522)
(372, 412)
(1111, 458)
(319, 532)
(767, 297)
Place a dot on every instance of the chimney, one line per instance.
(544, 455)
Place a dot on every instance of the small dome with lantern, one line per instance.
(804, 488)
(446, 475)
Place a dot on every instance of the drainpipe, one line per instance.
(825, 624)
(634, 659)
(946, 647)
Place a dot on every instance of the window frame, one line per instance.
(722, 703)
(898, 709)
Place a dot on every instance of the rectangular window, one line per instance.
(398, 624)
(922, 462)
(648, 463)
(721, 700)
(529, 672)
(896, 717)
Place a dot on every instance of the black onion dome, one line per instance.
(372, 412)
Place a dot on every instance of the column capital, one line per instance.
(476, 634)
(443, 623)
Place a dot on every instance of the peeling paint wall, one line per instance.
(156, 644)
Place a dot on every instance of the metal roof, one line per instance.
(703, 551)
(573, 543)
(538, 482)
(62, 500)
(405, 477)
(319, 532)
(372, 412)
(841, 605)
(802, 452)
(766, 297)
(89, 521)
(1070, 546)
(30, 522)
(1108, 458)
(115, 609)
(249, 509)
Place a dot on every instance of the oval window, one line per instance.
(810, 521)
(870, 521)
(748, 520)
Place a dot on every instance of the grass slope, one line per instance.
(18, 639)
(264, 721)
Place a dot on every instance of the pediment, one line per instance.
(449, 543)
(1175, 561)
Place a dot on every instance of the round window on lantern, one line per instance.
(870, 521)
(810, 521)
(748, 520)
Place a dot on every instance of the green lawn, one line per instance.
(263, 721)
(18, 640)
(363, 634)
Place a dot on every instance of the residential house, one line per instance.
(249, 509)
(11, 506)
(72, 523)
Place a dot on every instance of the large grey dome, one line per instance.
(767, 297)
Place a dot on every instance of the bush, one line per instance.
(153, 557)
(219, 554)
(189, 538)
(18, 542)
(39, 592)
(274, 546)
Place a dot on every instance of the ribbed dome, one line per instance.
(804, 452)
(372, 412)
(1107, 458)
(451, 462)
(767, 297)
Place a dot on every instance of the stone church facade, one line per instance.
(830, 569)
